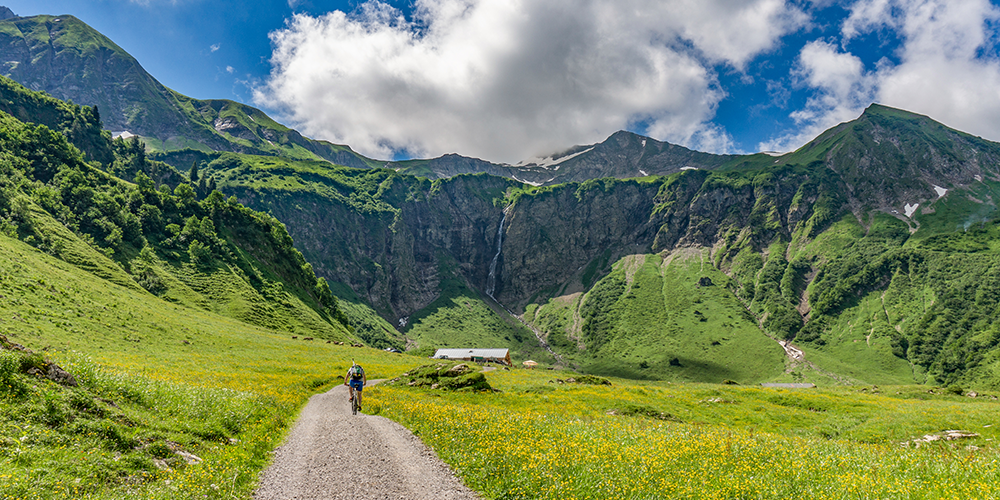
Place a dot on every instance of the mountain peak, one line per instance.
(6, 13)
(882, 110)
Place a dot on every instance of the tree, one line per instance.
(193, 176)
(146, 185)
(185, 195)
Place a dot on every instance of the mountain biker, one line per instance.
(355, 380)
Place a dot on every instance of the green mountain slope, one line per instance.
(213, 255)
(68, 59)
(809, 242)
(804, 239)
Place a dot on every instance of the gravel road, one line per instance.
(331, 454)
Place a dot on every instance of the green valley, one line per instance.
(200, 281)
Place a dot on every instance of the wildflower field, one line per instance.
(545, 440)
(160, 383)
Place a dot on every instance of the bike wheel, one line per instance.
(354, 404)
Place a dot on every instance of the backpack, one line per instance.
(357, 372)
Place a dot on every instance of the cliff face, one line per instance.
(552, 235)
(395, 248)
(395, 254)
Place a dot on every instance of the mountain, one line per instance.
(162, 244)
(890, 159)
(698, 275)
(622, 155)
(69, 60)
(868, 255)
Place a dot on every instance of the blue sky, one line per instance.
(506, 80)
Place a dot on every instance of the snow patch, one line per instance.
(644, 143)
(549, 161)
(643, 172)
(689, 168)
(124, 134)
(940, 191)
(773, 153)
(978, 177)
(536, 184)
(909, 209)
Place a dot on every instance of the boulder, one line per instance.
(458, 370)
(58, 375)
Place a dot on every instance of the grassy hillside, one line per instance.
(660, 317)
(156, 380)
(212, 254)
(183, 321)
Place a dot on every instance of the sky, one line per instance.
(508, 80)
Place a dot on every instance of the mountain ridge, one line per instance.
(68, 59)
(799, 248)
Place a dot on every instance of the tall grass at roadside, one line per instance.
(125, 435)
(155, 378)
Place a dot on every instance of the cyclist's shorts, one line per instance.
(357, 384)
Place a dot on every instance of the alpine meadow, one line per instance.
(816, 324)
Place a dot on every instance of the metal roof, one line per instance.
(469, 353)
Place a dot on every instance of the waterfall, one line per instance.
(491, 280)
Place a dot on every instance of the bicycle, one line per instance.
(356, 402)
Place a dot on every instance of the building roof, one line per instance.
(470, 353)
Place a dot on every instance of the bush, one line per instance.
(199, 253)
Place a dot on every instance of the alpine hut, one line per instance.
(476, 355)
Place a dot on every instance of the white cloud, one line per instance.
(842, 89)
(508, 80)
(215, 47)
(230, 69)
(946, 67)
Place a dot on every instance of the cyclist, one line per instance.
(355, 380)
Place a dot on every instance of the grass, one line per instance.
(665, 325)
(537, 439)
(187, 379)
(462, 318)
(155, 377)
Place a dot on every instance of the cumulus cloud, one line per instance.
(946, 68)
(842, 88)
(509, 80)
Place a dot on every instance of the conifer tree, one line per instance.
(193, 176)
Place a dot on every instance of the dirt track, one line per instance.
(331, 454)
